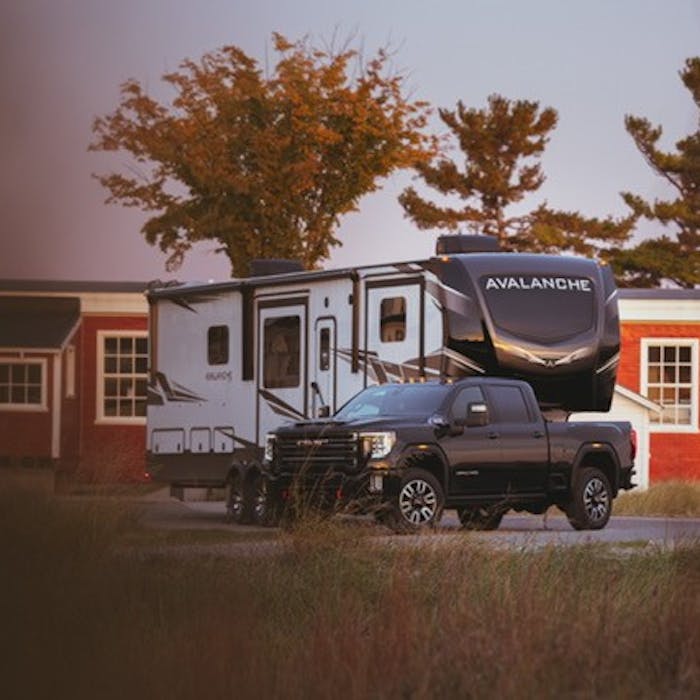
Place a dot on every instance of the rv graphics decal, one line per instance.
(162, 391)
(281, 408)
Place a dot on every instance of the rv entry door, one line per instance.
(394, 334)
(282, 363)
(324, 391)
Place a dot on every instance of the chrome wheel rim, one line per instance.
(596, 500)
(418, 502)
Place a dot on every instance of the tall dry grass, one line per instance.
(667, 498)
(84, 616)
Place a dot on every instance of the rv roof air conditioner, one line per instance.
(453, 244)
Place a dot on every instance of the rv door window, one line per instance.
(281, 345)
(324, 352)
(392, 320)
(217, 345)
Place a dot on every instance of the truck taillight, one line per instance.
(633, 443)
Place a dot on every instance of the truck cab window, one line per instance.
(217, 345)
(509, 404)
(470, 394)
(281, 344)
(392, 320)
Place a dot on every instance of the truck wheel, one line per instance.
(591, 501)
(235, 499)
(481, 517)
(419, 502)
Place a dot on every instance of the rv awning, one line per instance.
(37, 322)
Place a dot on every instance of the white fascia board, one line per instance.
(113, 303)
(660, 310)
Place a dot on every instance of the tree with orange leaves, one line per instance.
(264, 166)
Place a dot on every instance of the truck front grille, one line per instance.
(317, 454)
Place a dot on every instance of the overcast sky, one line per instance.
(61, 63)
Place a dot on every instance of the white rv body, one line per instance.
(308, 343)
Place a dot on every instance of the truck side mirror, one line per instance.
(477, 415)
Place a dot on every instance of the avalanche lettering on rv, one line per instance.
(558, 284)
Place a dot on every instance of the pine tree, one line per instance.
(502, 145)
(675, 258)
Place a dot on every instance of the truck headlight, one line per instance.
(377, 445)
(269, 447)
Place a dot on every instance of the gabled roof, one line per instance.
(37, 322)
(637, 398)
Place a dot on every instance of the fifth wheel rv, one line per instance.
(233, 360)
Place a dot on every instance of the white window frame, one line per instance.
(692, 343)
(40, 407)
(100, 417)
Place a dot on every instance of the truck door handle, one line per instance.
(493, 436)
(538, 434)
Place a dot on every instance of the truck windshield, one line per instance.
(394, 400)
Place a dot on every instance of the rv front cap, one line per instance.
(531, 282)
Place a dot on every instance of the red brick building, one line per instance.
(661, 361)
(73, 376)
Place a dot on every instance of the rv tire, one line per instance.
(236, 509)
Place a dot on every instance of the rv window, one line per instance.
(392, 320)
(217, 345)
(324, 356)
(281, 345)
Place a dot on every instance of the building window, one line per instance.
(23, 384)
(217, 345)
(669, 378)
(123, 383)
(282, 343)
(392, 320)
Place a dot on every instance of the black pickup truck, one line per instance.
(478, 445)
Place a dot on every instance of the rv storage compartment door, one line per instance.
(168, 441)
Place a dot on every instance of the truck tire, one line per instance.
(418, 503)
(591, 500)
(481, 517)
